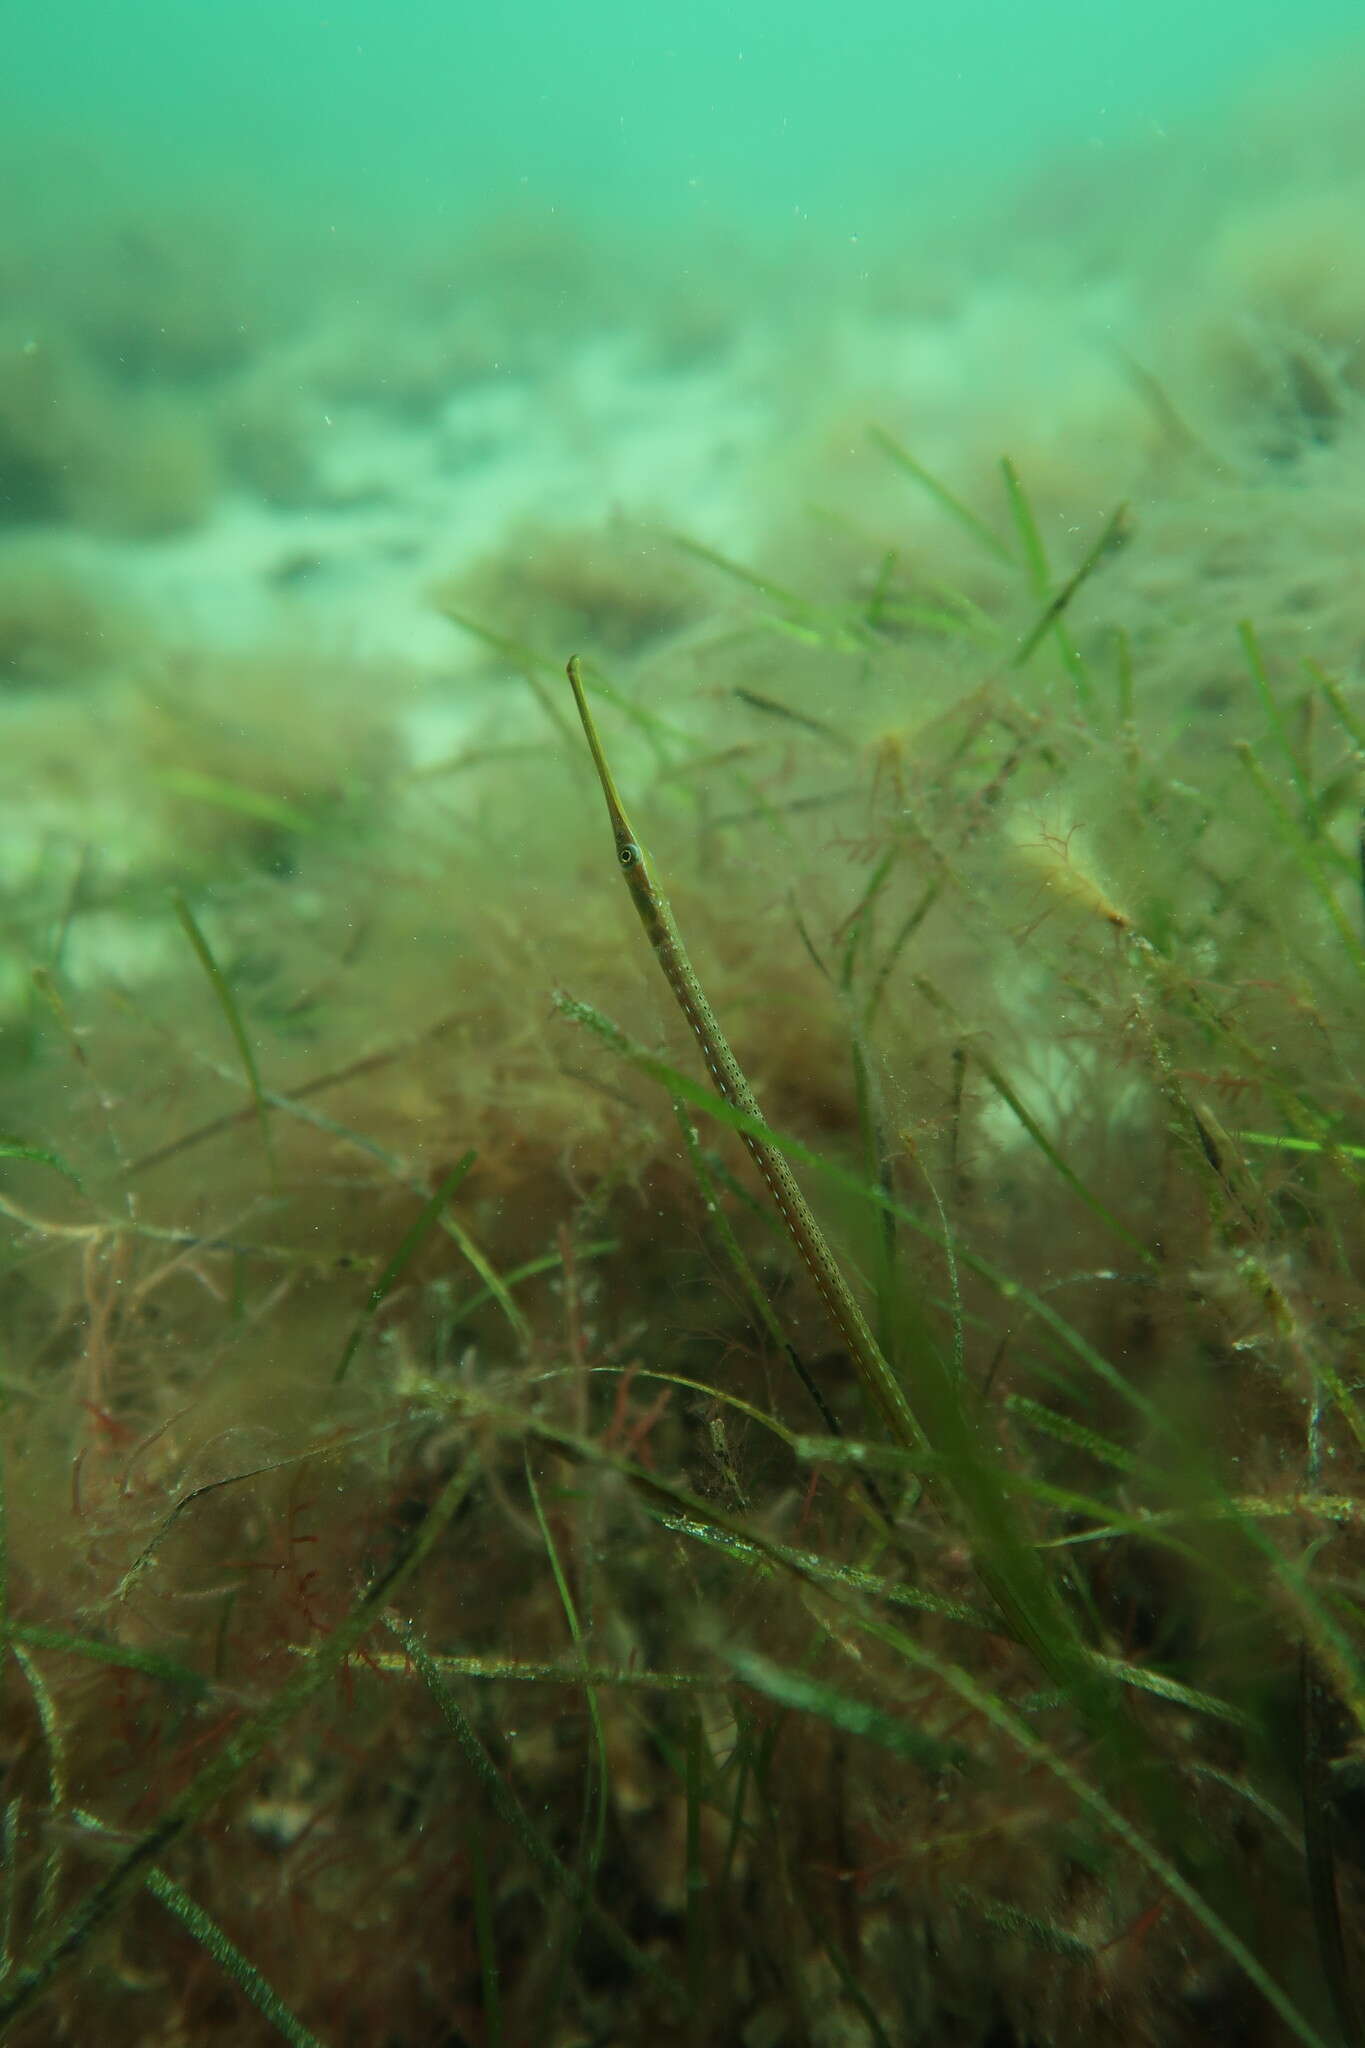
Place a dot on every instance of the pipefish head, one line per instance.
(629, 852)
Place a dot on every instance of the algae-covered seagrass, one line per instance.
(438, 1609)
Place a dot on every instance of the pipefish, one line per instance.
(878, 1381)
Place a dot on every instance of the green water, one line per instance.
(760, 113)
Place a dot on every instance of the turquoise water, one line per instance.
(760, 112)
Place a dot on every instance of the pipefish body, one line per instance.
(655, 913)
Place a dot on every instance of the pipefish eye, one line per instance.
(628, 853)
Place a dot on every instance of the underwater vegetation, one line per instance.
(476, 1571)
(738, 1420)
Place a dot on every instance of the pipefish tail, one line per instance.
(878, 1381)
